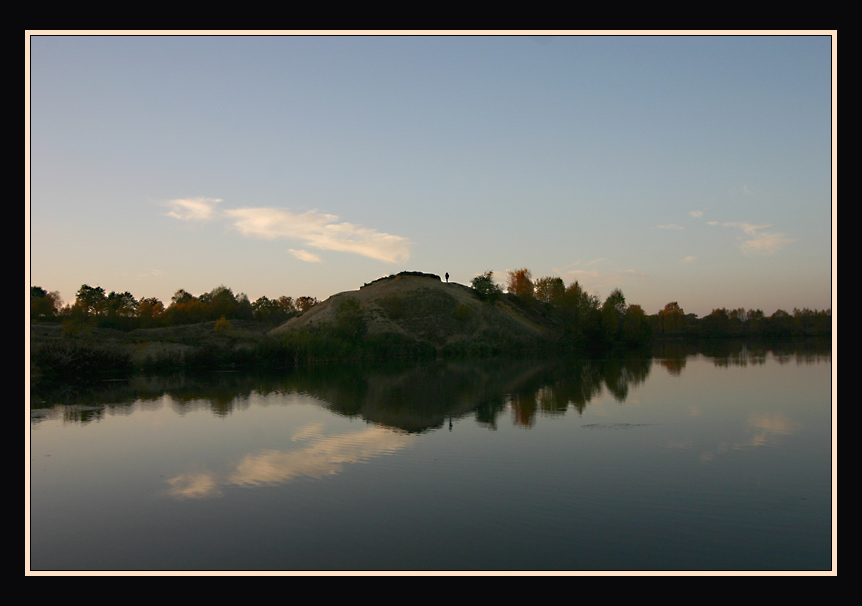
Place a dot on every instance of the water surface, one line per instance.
(682, 461)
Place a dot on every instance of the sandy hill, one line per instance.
(422, 307)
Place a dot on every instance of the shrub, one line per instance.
(486, 288)
(80, 361)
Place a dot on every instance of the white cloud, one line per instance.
(313, 228)
(673, 226)
(599, 260)
(696, 213)
(192, 209)
(304, 255)
(320, 230)
(759, 242)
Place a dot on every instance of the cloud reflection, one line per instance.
(326, 456)
(769, 427)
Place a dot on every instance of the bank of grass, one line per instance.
(77, 360)
(206, 348)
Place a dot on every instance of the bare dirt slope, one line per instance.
(424, 308)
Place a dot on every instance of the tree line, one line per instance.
(584, 316)
(613, 321)
(92, 305)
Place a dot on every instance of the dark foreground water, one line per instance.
(709, 461)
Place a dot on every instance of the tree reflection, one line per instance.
(416, 397)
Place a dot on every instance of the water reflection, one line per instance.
(413, 398)
(324, 455)
(624, 466)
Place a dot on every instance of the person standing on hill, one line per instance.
(447, 277)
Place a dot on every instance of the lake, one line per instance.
(685, 459)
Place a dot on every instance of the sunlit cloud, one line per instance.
(671, 226)
(193, 209)
(697, 214)
(194, 485)
(768, 428)
(689, 259)
(321, 231)
(757, 241)
(326, 455)
(304, 255)
(313, 228)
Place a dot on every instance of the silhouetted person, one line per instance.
(447, 276)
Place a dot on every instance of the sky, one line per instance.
(696, 169)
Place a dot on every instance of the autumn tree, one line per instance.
(287, 305)
(671, 318)
(303, 304)
(44, 304)
(150, 311)
(184, 308)
(519, 283)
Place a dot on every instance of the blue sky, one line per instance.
(696, 169)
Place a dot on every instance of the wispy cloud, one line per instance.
(697, 214)
(304, 255)
(672, 226)
(324, 456)
(689, 259)
(321, 231)
(755, 240)
(597, 261)
(193, 209)
(595, 278)
(313, 228)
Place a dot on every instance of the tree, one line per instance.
(266, 309)
(184, 309)
(635, 327)
(44, 304)
(220, 301)
(485, 287)
(520, 284)
(121, 304)
(287, 305)
(671, 318)
(303, 304)
(150, 310)
(90, 300)
(550, 290)
(613, 310)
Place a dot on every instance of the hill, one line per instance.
(420, 307)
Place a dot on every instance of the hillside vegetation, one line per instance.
(410, 315)
(422, 309)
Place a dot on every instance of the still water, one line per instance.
(677, 461)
